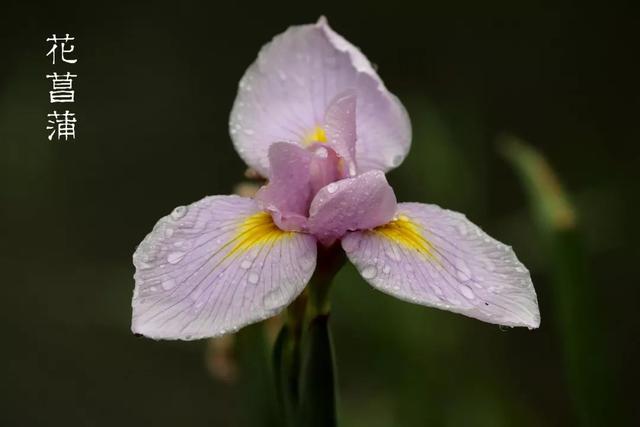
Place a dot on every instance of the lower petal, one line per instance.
(214, 266)
(359, 203)
(438, 258)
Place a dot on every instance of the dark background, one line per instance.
(155, 87)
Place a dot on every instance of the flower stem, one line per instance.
(305, 374)
(287, 360)
(330, 261)
(318, 382)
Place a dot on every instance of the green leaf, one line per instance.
(581, 329)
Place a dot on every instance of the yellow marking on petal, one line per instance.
(404, 232)
(257, 230)
(316, 135)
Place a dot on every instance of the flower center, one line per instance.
(316, 135)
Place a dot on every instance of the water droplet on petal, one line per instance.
(349, 244)
(386, 269)
(185, 245)
(322, 152)
(397, 160)
(391, 253)
(462, 228)
(272, 299)
(142, 265)
(168, 284)
(467, 292)
(331, 188)
(369, 272)
(253, 278)
(175, 257)
(306, 262)
(179, 212)
(246, 264)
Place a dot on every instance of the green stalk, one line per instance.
(287, 361)
(305, 374)
(318, 382)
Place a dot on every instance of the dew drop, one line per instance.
(397, 160)
(272, 299)
(168, 232)
(386, 269)
(391, 253)
(249, 131)
(467, 292)
(175, 257)
(306, 262)
(349, 244)
(331, 188)
(462, 228)
(322, 153)
(454, 301)
(246, 264)
(168, 284)
(142, 265)
(182, 244)
(179, 212)
(253, 278)
(369, 272)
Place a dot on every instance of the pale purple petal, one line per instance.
(359, 203)
(297, 175)
(288, 193)
(438, 258)
(284, 95)
(326, 167)
(214, 266)
(340, 127)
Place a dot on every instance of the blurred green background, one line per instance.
(155, 87)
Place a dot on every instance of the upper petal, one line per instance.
(288, 193)
(438, 258)
(284, 95)
(359, 203)
(340, 127)
(215, 266)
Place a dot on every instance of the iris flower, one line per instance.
(313, 116)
